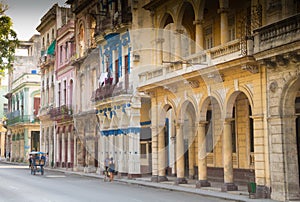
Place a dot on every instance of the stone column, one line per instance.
(161, 155)
(180, 155)
(159, 46)
(191, 151)
(69, 150)
(224, 25)
(202, 166)
(178, 55)
(75, 153)
(57, 149)
(199, 35)
(154, 134)
(27, 142)
(121, 153)
(227, 158)
(63, 150)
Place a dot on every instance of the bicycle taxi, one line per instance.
(37, 162)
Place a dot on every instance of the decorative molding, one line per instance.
(281, 61)
(273, 86)
(215, 76)
(294, 57)
(251, 67)
(270, 64)
(194, 83)
(172, 89)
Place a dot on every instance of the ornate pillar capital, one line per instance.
(223, 10)
(198, 22)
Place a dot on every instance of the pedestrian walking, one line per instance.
(111, 169)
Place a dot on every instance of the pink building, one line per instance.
(64, 88)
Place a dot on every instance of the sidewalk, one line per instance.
(213, 191)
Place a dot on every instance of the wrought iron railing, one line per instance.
(63, 110)
(22, 119)
(110, 90)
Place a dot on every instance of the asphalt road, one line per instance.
(17, 184)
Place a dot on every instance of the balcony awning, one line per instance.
(51, 48)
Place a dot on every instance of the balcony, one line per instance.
(120, 19)
(277, 34)
(61, 112)
(110, 90)
(15, 118)
(47, 60)
(192, 63)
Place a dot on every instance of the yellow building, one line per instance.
(223, 77)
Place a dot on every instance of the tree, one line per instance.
(8, 40)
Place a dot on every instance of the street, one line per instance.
(17, 184)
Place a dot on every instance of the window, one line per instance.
(208, 37)
(60, 54)
(65, 92)
(59, 95)
(48, 42)
(143, 150)
(53, 36)
(231, 27)
(36, 105)
(66, 51)
(116, 71)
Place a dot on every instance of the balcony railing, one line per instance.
(47, 60)
(120, 18)
(23, 119)
(13, 114)
(62, 111)
(110, 90)
(194, 62)
(278, 33)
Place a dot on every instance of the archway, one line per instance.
(211, 119)
(186, 154)
(290, 111)
(166, 146)
(239, 138)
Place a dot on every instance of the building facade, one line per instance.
(23, 129)
(196, 89)
(227, 73)
(3, 112)
(53, 20)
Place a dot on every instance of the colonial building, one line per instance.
(224, 87)
(54, 19)
(86, 64)
(61, 113)
(115, 126)
(23, 129)
(195, 89)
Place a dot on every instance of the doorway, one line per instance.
(35, 141)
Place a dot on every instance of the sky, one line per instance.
(26, 15)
